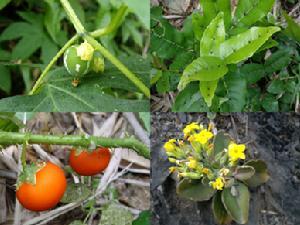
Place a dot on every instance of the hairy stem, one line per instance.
(74, 140)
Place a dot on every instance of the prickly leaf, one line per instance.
(244, 45)
(203, 69)
(236, 201)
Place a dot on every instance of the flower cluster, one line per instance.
(195, 157)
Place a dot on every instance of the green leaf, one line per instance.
(141, 9)
(194, 190)
(10, 123)
(114, 214)
(270, 103)
(75, 192)
(261, 173)
(53, 16)
(190, 100)
(293, 28)
(199, 23)
(5, 79)
(253, 72)
(278, 60)
(143, 219)
(236, 201)
(26, 47)
(244, 172)
(58, 94)
(209, 9)
(49, 49)
(220, 213)
(163, 84)
(225, 6)
(221, 141)
(207, 90)
(250, 11)
(4, 3)
(244, 45)
(145, 116)
(26, 78)
(276, 87)
(236, 92)
(213, 36)
(205, 68)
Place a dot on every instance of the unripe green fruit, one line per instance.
(98, 65)
(74, 64)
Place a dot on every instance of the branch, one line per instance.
(12, 138)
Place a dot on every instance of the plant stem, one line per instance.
(23, 154)
(72, 16)
(130, 75)
(114, 24)
(74, 140)
(52, 62)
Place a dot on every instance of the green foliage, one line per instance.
(95, 92)
(9, 122)
(260, 176)
(220, 213)
(75, 192)
(145, 117)
(34, 33)
(261, 73)
(236, 201)
(196, 190)
(114, 214)
(293, 28)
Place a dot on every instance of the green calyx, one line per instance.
(28, 174)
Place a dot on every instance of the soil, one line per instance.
(273, 137)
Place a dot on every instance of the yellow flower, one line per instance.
(85, 51)
(236, 152)
(170, 146)
(203, 137)
(193, 163)
(218, 184)
(190, 128)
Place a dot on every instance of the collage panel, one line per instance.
(74, 168)
(225, 56)
(233, 168)
(74, 56)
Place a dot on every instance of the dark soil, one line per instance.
(273, 137)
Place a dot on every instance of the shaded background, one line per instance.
(273, 137)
